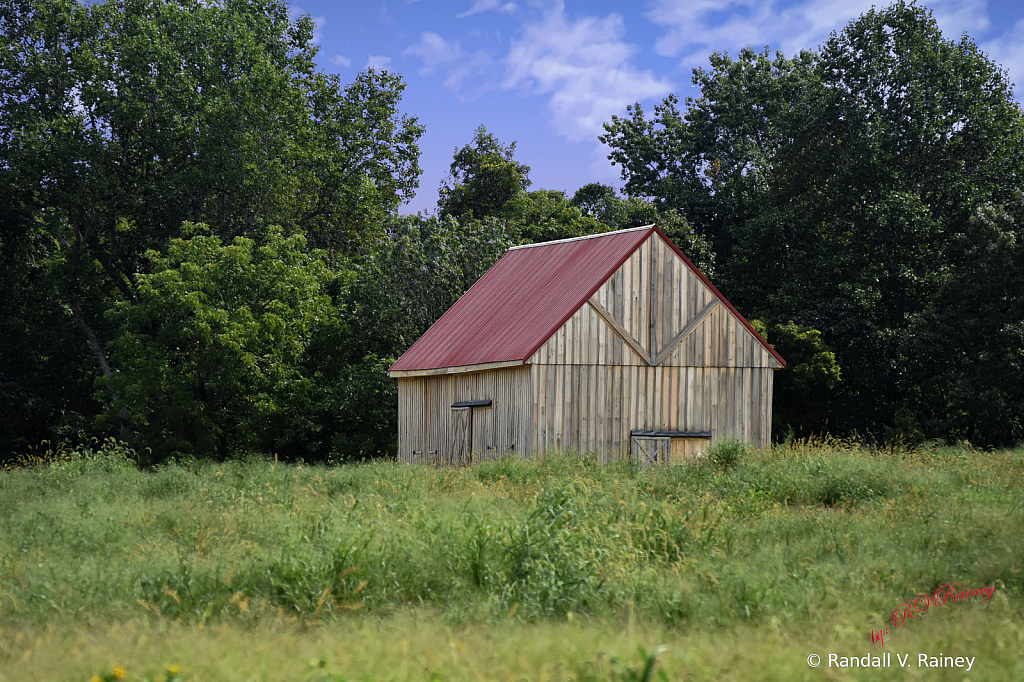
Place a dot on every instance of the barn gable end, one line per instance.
(673, 319)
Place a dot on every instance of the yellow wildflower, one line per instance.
(96, 678)
(119, 672)
(174, 670)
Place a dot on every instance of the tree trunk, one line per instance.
(94, 344)
(101, 358)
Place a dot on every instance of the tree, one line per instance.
(210, 351)
(705, 162)
(401, 285)
(404, 283)
(884, 167)
(483, 177)
(964, 378)
(603, 203)
(832, 184)
(46, 373)
(156, 112)
(546, 215)
(805, 393)
(120, 120)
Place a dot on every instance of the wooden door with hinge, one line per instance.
(463, 446)
(648, 451)
(462, 436)
(658, 448)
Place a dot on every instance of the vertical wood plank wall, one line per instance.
(593, 408)
(428, 431)
(590, 389)
(720, 340)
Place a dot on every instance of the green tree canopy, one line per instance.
(122, 119)
(484, 176)
(806, 392)
(603, 203)
(401, 285)
(546, 215)
(209, 352)
(832, 185)
(965, 358)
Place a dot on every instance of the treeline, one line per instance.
(870, 190)
(203, 253)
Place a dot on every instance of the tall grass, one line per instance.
(788, 538)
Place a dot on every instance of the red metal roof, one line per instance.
(524, 298)
(521, 301)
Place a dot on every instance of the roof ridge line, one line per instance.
(577, 239)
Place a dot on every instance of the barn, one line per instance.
(613, 344)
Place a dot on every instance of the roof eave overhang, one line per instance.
(461, 369)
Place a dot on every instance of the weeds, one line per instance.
(786, 540)
(726, 453)
(739, 537)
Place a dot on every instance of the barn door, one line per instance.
(466, 440)
(689, 449)
(462, 435)
(650, 451)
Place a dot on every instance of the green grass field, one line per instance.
(520, 570)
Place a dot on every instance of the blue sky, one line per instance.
(547, 73)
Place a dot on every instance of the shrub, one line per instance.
(210, 353)
(726, 453)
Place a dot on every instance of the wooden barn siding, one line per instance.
(720, 340)
(590, 389)
(593, 408)
(426, 428)
(586, 339)
(586, 389)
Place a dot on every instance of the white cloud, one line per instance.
(475, 64)
(434, 51)
(318, 28)
(1008, 52)
(584, 66)
(488, 6)
(339, 60)
(385, 16)
(956, 17)
(437, 53)
(695, 28)
(378, 62)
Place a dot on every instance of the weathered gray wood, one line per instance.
(690, 327)
(472, 403)
(650, 451)
(672, 434)
(466, 369)
(619, 329)
(426, 429)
